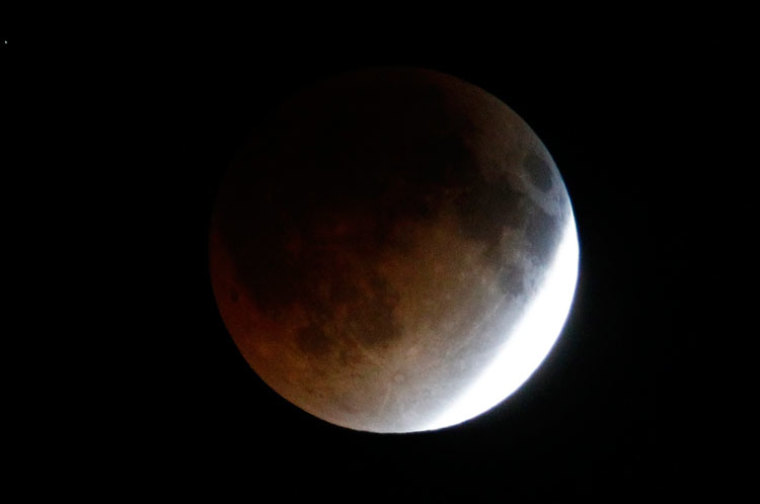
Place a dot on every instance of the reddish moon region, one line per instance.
(393, 250)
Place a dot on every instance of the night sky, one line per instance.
(625, 406)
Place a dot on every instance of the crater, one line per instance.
(543, 234)
(512, 280)
(539, 170)
(486, 208)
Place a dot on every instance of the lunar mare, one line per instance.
(394, 251)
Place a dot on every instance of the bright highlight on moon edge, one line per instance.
(394, 250)
(530, 342)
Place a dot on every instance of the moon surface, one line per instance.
(394, 250)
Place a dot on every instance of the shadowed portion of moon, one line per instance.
(374, 243)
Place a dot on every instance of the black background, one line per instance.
(142, 126)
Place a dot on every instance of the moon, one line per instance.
(394, 250)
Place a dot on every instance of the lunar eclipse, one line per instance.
(394, 250)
